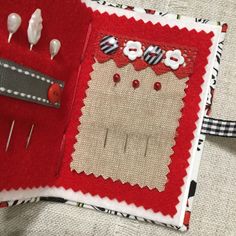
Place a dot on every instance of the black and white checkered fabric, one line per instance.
(218, 127)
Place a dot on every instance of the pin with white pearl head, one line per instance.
(13, 24)
(35, 28)
(54, 48)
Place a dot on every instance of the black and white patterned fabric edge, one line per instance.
(218, 127)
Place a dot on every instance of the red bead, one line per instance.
(116, 78)
(157, 86)
(54, 93)
(136, 84)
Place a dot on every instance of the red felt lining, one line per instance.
(39, 166)
(36, 166)
(166, 201)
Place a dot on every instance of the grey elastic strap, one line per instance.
(26, 84)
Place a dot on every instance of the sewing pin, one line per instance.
(30, 136)
(13, 24)
(146, 149)
(54, 47)
(126, 141)
(105, 140)
(35, 28)
(10, 135)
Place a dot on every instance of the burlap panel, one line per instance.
(127, 134)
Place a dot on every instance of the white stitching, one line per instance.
(13, 68)
(4, 90)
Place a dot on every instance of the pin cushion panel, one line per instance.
(111, 185)
(127, 129)
(128, 126)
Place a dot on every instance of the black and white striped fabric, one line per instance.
(153, 55)
(109, 44)
(219, 127)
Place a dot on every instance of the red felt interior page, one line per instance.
(166, 201)
(67, 21)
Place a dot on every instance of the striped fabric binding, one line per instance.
(219, 127)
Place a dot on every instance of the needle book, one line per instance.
(106, 106)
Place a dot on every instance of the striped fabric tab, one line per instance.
(219, 127)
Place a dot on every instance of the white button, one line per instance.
(133, 50)
(174, 59)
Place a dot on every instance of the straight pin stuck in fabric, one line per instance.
(126, 142)
(29, 136)
(105, 140)
(10, 135)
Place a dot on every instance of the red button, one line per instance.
(54, 93)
